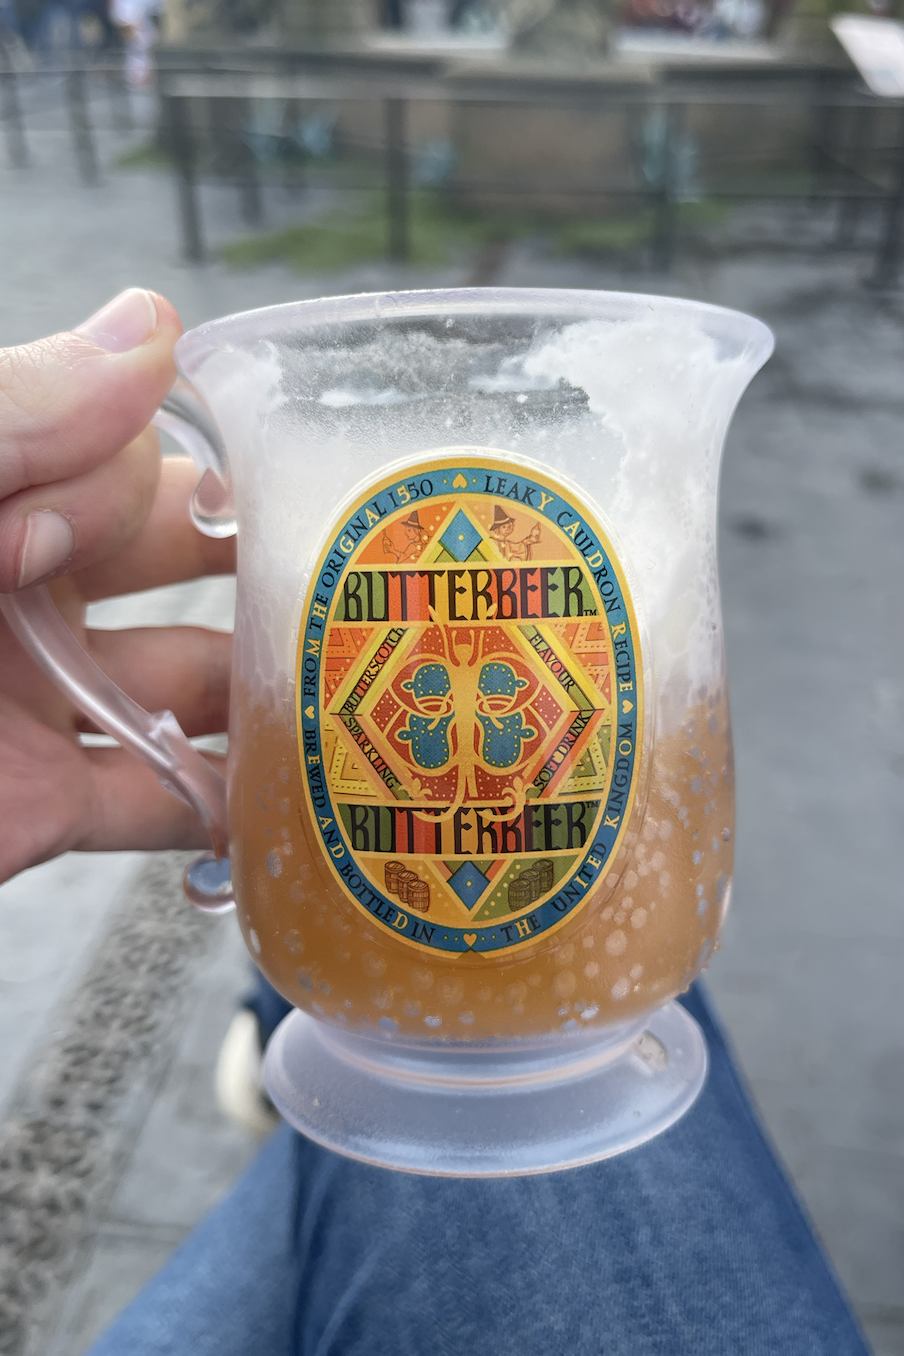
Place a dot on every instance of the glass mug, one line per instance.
(480, 799)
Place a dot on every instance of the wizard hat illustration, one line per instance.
(500, 516)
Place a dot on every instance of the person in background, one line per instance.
(9, 27)
(137, 22)
(392, 13)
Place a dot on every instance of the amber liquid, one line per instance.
(641, 938)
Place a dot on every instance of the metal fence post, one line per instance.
(293, 180)
(665, 227)
(11, 112)
(120, 99)
(180, 145)
(80, 119)
(888, 253)
(850, 208)
(398, 240)
(826, 121)
(249, 180)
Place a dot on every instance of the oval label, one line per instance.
(470, 704)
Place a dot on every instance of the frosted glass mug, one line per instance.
(480, 801)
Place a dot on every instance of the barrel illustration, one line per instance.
(544, 870)
(391, 873)
(405, 880)
(532, 876)
(418, 895)
(520, 893)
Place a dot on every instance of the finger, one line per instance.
(42, 790)
(167, 549)
(23, 681)
(183, 669)
(72, 402)
(56, 796)
(101, 509)
(133, 811)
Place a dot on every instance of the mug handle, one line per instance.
(155, 738)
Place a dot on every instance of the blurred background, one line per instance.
(237, 153)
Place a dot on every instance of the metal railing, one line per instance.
(840, 173)
(852, 161)
(68, 79)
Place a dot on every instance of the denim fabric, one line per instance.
(268, 1006)
(692, 1245)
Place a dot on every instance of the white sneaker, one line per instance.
(239, 1077)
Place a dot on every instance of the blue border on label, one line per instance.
(493, 484)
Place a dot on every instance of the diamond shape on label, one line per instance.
(461, 537)
(469, 884)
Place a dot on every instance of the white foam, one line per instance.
(631, 412)
(342, 397)
(665, 394)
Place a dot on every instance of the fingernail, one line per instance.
(124, 323)
(48, 544)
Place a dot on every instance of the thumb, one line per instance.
(69, 407)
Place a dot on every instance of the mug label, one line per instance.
(469, 703)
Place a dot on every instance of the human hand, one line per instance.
(87, 505)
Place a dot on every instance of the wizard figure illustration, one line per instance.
(411, 544)
(503, 526)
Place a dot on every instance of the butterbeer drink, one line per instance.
(468, 822)
(480, 794)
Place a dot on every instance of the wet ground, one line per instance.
(808, 978)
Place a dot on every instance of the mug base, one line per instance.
(495, 1112)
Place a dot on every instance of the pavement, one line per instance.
(808, 976)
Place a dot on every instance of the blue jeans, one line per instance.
(693, 1245)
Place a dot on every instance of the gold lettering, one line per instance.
(545, 499)
(610, 823)
(619, 630)
(401, 921)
